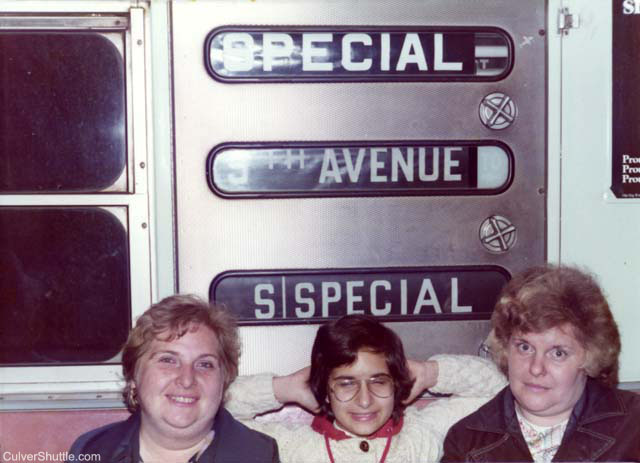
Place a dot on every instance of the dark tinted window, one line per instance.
(64, 285)
(62, 112)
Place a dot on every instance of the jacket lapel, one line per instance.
(118, 443)
(585, 445)
(509, 443)
(127, 450)
(216, 451)
(593, 436)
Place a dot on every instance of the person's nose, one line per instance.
(186, 376)
(537, 366)
(363, 398)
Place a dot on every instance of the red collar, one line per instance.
(322, 425)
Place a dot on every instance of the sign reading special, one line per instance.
(326, 54)
(411, 294)
(359, 169)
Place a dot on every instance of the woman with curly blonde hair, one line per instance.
(555, 338)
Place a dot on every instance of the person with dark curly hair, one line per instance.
(554, 336)
(178, 362)
(359, 384)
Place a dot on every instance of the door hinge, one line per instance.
(567, 21)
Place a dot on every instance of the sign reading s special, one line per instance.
(393, 294)
(253, 170)
(341, 53)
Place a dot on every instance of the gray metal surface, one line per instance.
(216, 235)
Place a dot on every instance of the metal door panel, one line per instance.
(216, 235)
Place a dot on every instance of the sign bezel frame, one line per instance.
(359, 271)
(354, 193)
(359, 77)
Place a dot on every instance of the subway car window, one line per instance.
(74, 198)
(64, 286)
(63, 119)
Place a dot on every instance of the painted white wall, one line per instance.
(595, 229)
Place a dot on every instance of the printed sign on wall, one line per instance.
(625, 155)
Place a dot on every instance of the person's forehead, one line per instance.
(198, 338)
(558, 335)
(367, 364)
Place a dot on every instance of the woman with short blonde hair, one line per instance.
(555, 337)
(544, 297)
(170, 319)
(178, 362)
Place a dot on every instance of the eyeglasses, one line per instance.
(345, 389)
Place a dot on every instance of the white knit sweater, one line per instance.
(471, 380)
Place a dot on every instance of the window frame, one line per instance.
(82, 386)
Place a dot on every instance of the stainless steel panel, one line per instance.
(216, 234)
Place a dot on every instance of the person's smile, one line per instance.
(182, 400)
(369, 416)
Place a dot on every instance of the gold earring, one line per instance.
(133, 396)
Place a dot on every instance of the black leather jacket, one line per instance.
(233, 442)
(604, 426)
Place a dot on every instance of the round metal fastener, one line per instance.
(497, 111)
(497, 234)
(364, 446)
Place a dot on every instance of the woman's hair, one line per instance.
(337, 344)
(550, 296)
(170, 319)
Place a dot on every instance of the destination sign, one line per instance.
(325, 54)
(359, 169)
(394, 294)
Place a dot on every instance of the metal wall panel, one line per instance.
(216, 235)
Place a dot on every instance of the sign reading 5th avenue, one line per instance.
(324, 54)
(359, 168)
